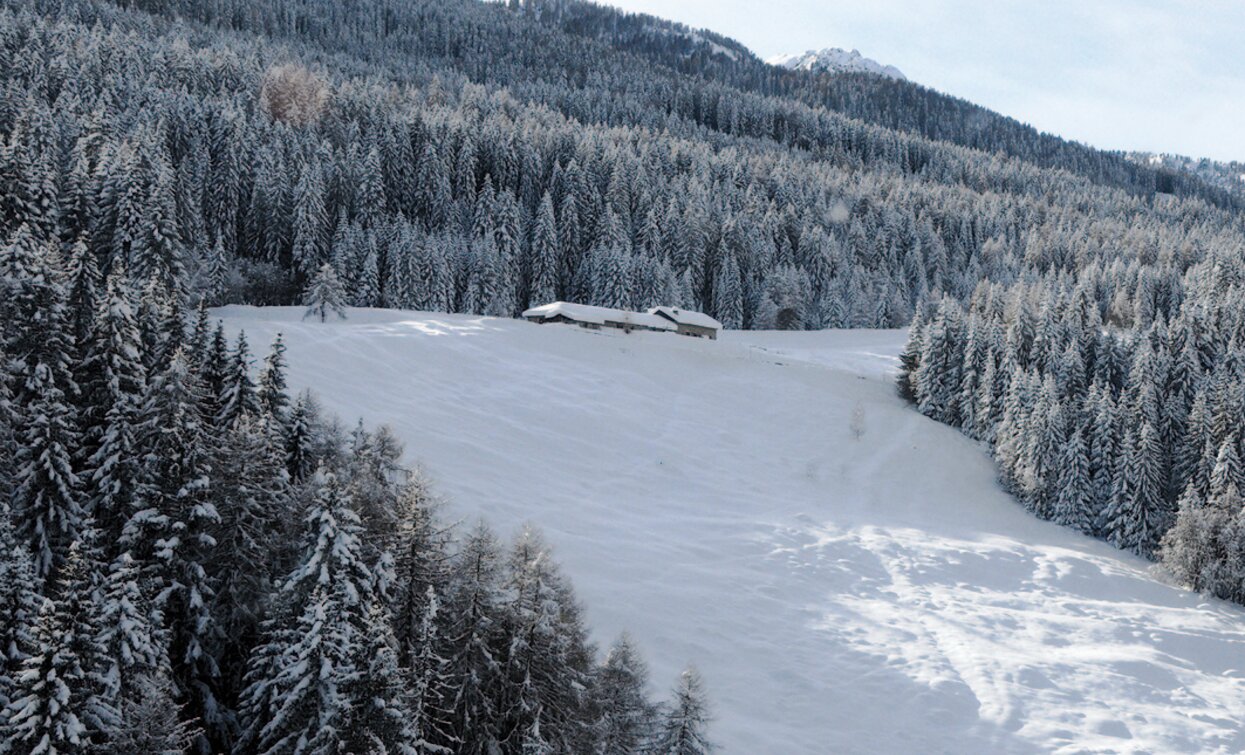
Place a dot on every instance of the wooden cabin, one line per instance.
(689, 323)
(658, 319)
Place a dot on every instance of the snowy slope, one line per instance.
(835, 60)
(846, 573)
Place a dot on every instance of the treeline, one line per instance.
(205, 156)
(1111, 407)
(192, 561)
(1229, 176)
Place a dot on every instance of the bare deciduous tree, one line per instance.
(293, 94)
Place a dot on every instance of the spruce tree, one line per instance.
(171, 534)
(910, 360)
(325, 294)
(271, 393)
(1074, 504)
(728, 295)
(60, 703)
(213, 371)
(217, 276)
(130, 632)
(365, 291)
(308, 682)
(35, 321)
(239, 397)
(47, 498)
(35, 154)
(938, 378)
(161, 257)
(545, 262)
(432, 284)
(83, 278)
(1104, 455)
(114, 385)
(299, 438)
(19, 604)
(252, 497)
(1136, 518)
(310, 221)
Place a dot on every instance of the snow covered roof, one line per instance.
(649, 320)
(686, 317)
(597, 315)
(579, 312)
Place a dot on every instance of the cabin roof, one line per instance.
(597, 315)
(686, 317)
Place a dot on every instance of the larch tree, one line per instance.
(683, 731)
(626, 718)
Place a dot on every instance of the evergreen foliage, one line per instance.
(199, 619)
(326, 294)
(618, 160)
(1143, 452)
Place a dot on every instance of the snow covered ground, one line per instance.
(846, 573)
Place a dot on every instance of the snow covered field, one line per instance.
(846, 573)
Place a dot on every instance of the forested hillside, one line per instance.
(1229, 176)
(229, 157)
(1123, 420)
(878, 100)
(191, 559)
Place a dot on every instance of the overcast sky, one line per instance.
(1157, 75)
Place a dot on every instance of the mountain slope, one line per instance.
(1229, 176)
(472, 159)
(881, 101)
(835, 60)
(846, 573)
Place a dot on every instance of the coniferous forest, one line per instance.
(1118, 415)
(192, 559)
(465, 157)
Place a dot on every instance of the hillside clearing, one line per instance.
(846, 573)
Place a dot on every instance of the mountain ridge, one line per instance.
(835, 60)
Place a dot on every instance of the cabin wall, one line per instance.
(699, 332)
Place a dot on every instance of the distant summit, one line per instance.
(835, 60)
